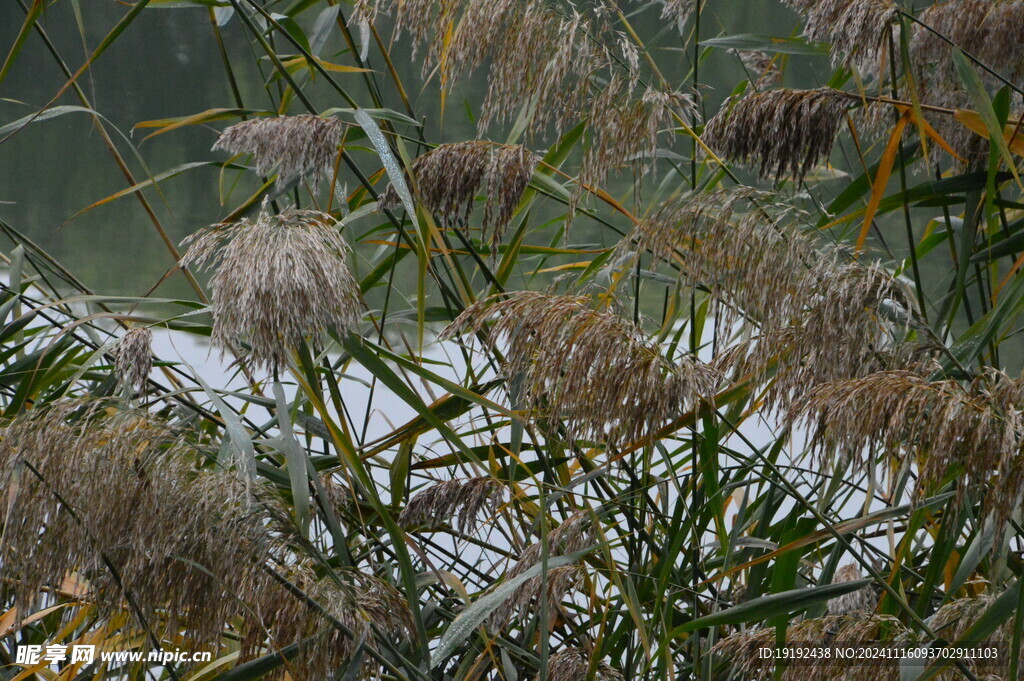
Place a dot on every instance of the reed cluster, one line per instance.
(741, 649)
(439, 504)
(573, 664)
(859, 30)
(949, 429)
(819, 315)
(116, 500)
(787, 131)
(574, 534)
(278, 280)
(559, 353)
(296, 146)
(989, 31)
(134, 358)
(449, 177)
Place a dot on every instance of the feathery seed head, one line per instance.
(762, 68)
(449, 177)
(742, 648)
(789, 131)
(574, 534)
(857, 29)
(303, 145)
(861, 601)
(278, 280)
(975, 430)
(573, 664)
(134, 358)
(990, 30)
(595, 372)
(439, 504)
(818, 314)
(178, 537)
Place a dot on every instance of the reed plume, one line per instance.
(574, 534)
(372, 610)
(278, 279)
(573, 664)
(439, 504)
(625, 132)
(134, 358)
(857, 29)
(449, 177)
(971, 431)
(761, 67)
(302, 145)
(597, 374)
(818, 315)
(787, 131)
(862, 600)
(989, 30)
(118, 501)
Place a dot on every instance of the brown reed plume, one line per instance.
(278, 279)
(439, 504)
(949, 429)
(536, 53)
(302, 145)
(574, 534)
(741, 649)
(372, 610)
(859, 30)
(989, 30)
(573, 664)
(134, 358)
(862, 600)
(786, 131)
(118, 501)
(955, 618)
(762, 67)
(818, 314)
(625, 131)
(449, 177)
(564, 351)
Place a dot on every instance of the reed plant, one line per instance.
(632, 378)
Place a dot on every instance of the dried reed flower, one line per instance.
(371, 609)
(974, 431)
(534, 52)
(591, 370)
(991, 31)
(574, 534)
(862, 600)
(303, 145)
(134, 513)
(818, 315)
(677, 10)
(626, 132)
(525, 600)
(439, 504)
(955, 618)
(857, 29)
(449, 177)
(134, 358)
(573, 664)
(137, 519)
(278, 280)
(741, 648)
(789, 131)
(762, 68)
